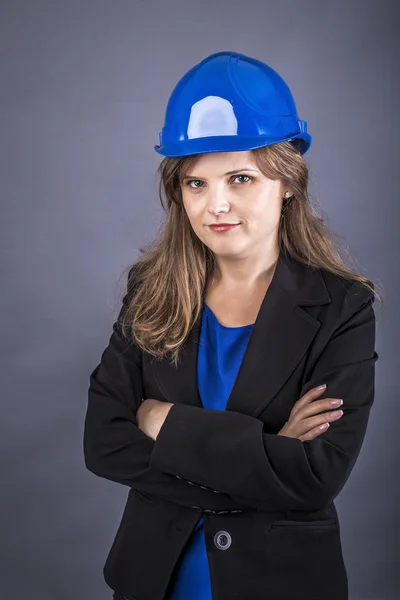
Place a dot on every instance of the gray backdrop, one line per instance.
(83, 91)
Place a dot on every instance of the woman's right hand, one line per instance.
(306, 416)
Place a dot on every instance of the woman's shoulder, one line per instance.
(341, 287)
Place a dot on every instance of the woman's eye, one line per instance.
(194, 181)
(246, 176)
(189, 183)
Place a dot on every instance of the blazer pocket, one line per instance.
(289, 524)
(306, 556)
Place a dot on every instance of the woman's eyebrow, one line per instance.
(228, 173)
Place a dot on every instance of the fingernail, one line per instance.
(321, 387)
(337, 402)
(336, 413)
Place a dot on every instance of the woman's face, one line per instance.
(247, 197)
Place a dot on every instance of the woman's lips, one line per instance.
(223, 227)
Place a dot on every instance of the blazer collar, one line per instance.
(280, 336)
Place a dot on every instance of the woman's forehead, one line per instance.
(221, 163)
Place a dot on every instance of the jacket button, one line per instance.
(198, 508)
(177, 476)
(217, 491)
(222, 540)
(208, 511)
(204, 487)
(235, 511)
(191, 482)
(223, 512)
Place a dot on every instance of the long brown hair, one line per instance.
(171, 274)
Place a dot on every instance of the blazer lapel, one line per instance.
(281, 335)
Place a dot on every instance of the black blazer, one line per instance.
(271, 526)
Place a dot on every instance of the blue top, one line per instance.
(220, 354)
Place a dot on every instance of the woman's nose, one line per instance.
(217, 198)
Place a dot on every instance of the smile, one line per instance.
(220, 228)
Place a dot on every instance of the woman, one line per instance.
(207, 403)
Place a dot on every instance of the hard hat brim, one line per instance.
(229, 143)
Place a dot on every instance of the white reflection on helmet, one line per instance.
(212, 115)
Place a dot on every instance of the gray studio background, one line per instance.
(83, 89)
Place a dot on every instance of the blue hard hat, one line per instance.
(230, 102)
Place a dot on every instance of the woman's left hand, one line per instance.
(151, 415)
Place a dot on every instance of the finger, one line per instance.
(315, 432)
(307, 399)
(320, 419)
(317, 407)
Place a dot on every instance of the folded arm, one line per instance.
(114, 446)
(229, 451)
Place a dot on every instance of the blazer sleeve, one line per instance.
(114, 447)
(229, 451)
